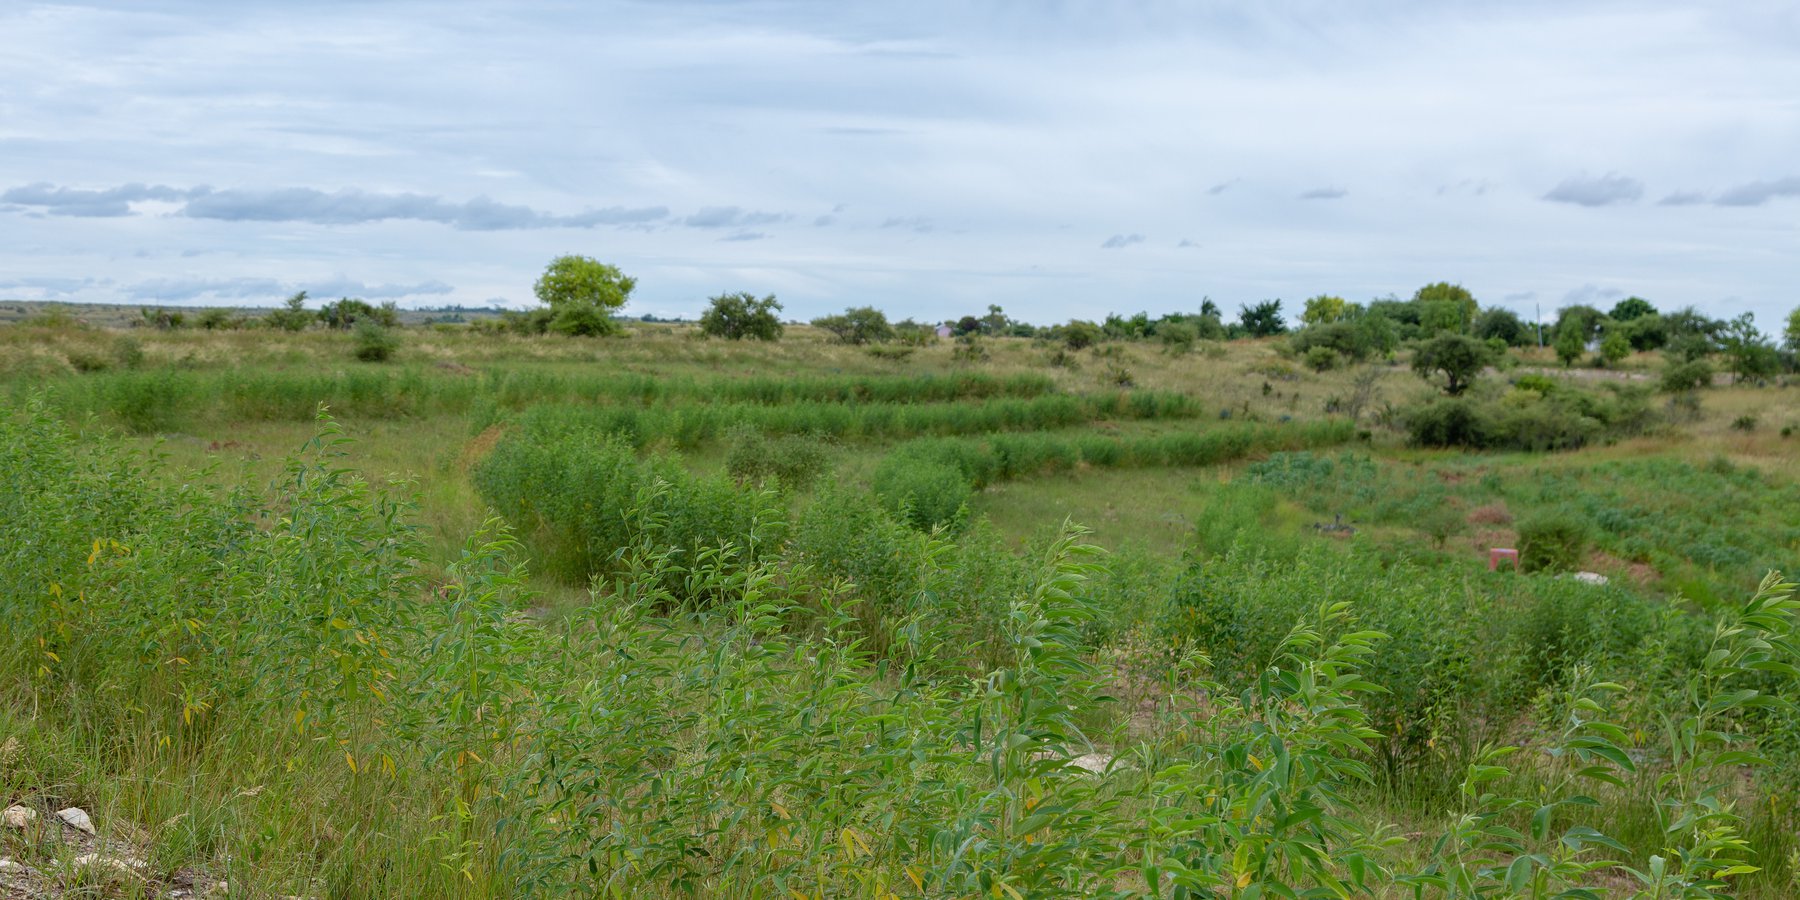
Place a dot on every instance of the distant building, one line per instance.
(944, 331)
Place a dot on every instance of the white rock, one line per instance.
(1590, 577)
(219, 889)
(7, 865)
(1092, 762)
(18, 816)
(77, 818)
(124, 865)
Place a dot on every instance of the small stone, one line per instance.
(18, 816)
(77, 818)
(123, 866)
(1590, 578)
(1091, 762)
(7, 865)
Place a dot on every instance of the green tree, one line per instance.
(858, 325)
(1458, 357)
(1569, 344)
(995, 322)
(292, 315)
(345, 313)
(583, 294)
(1498, 322)
(1457, 311)
(1325, 309)
(1079, 334)
(1586, 320)
(1792, 337)
(1615, 346)
(1632, 308)
(1263, 319)
(1748, 352)
(740, 315)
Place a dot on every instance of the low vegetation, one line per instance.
(506, 611)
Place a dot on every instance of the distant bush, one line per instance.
(586, 502)
(794, 461)
(375, 343)
(923, 492)
(1322, 359)
(741, 315)
(1553, 541)
(1529, 417)
(1686, 376)
(859, 325)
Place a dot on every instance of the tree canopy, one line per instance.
(741, 315)
(1458, 357)
(583, 293)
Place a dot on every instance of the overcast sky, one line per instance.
(930, 157)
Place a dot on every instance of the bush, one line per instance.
(1446, 423)
(923, 492)
(739, 316)
(859, 325)
(1686, 376)
(794, 461)
(588, 505)
(1552, 541)
(1322, 359)
(375, 343)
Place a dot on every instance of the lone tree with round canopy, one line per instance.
(583, 293)
(1458, 357)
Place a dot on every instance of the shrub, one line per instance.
(1322, 359)
(1744, 422)
(587, 504)
(859, 325)
(128, 352)
(1686, 376)
(1554, 541)
(741, 315)
(375, 343)
(794, 461)
(1446, 423)
(1457, 357)
(924, 492)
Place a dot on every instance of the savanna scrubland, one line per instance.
(1113, 609)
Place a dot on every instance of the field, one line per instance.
(661, 615)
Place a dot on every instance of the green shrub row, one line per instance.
(692, 425)
(933, 477)
(153, 400)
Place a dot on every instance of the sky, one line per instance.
(1057, 158)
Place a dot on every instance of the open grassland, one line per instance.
(666, 616)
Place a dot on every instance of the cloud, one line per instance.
(1755, 193)
(1591, 295)
(54, 286)
(744, 236)
(1682, 198)
(1188, 244)
(1475, 186)
(109, 202)
(919, 224)
(730, 217)
(176, 289)
(1605, 190)
(1222, 186)
(1121, 240)
(1324, 193)
(344, 207)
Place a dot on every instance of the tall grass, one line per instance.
(266, 681)
(159, 399)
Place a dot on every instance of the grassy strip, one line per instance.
(154, 400)
(693, 425)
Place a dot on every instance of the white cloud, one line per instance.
(968, 152)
